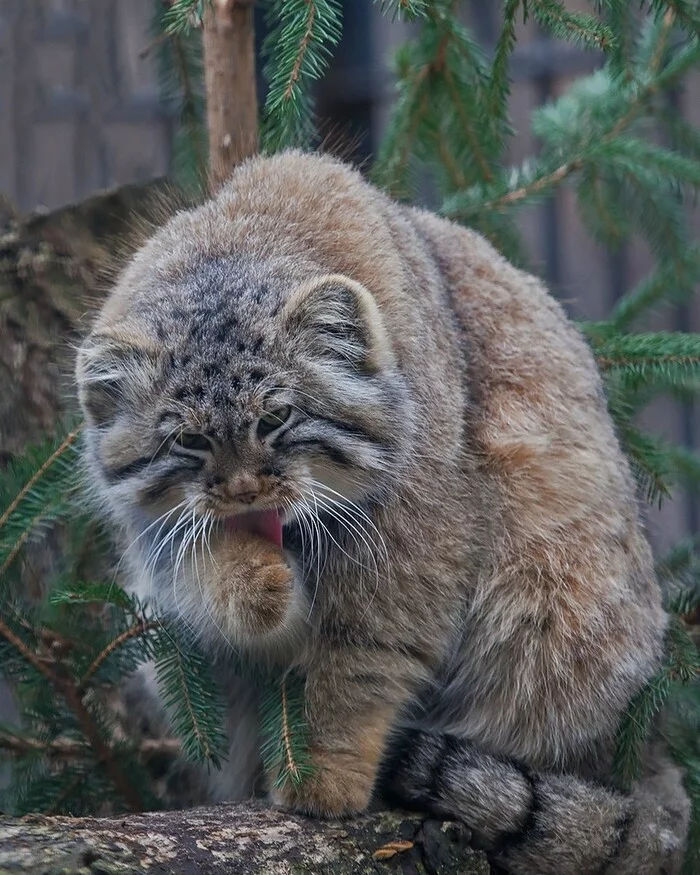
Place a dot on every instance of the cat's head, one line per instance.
(232, 388)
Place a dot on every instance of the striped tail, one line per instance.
(533, 823)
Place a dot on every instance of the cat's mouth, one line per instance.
(267, 524)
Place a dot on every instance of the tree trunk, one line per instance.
(229, 72)
(53, 269)
(235, 839)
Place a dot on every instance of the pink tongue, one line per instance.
(266, 523)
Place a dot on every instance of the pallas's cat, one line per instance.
(344, 435)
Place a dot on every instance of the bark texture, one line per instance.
(229, 71)
(53, 268)
(236, 840)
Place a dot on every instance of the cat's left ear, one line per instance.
(335, 317)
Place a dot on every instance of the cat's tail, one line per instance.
(533, 823)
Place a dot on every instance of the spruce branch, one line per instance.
(284, 730)
(535, 180)
(638, 357)
(180, 16)
(192, 696)
(499, 83)
(442, 84)
(291, 766)
(67, 442)
(26, 652)
(139, 629)
(36, 488)
(302, 36)
(672, 281)
(65, 688)
(577, 27)
(682, 665)
(408, 9)
(66, 748)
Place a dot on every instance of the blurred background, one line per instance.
(82, 109)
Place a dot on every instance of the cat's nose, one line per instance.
(245, 497)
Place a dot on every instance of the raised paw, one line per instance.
(252, 586)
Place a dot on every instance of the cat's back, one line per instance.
(573, 553)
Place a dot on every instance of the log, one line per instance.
(235, 839)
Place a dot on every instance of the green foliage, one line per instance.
(35, 492)
(302, 35)
(633, 164)
(285, 749)
(408, 9)
(191, 694)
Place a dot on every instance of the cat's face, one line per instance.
(226, 392)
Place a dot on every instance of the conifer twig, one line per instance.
(467, 127)
(66, 443)
(103, 753)
(291, 763)
(60, 748)
(20, 542)
(606, 362)
(303, 49)
(559, 174)
(28, 654)
(69, 692)
(138, 629)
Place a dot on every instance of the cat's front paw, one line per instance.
(254, 588)
(340, 785)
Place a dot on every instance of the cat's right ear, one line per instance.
(108, 369)
(336, 317)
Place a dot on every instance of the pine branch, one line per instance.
(192, 696)
(138, 630)
(64, 748)
(297, 49)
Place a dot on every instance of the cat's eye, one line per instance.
(192, 440)
(272, 419)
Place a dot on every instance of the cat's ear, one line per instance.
(334, 316)
(110, 368)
